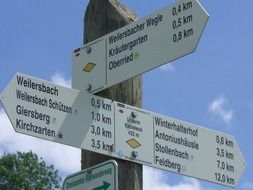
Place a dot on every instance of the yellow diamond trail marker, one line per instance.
(133, 143)
(89, 67)
(48, 111)
(140, 46)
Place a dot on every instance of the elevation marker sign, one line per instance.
(48, 111)
(139, 47)
(103, 176)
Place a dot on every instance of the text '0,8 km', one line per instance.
(129, 51)
(122, 131)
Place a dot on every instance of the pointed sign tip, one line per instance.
(106, 184)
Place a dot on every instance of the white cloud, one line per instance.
(220, 108)
(167, 67)
(59, 79)
(155, 180)
(53, 153)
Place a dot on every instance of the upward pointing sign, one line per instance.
(41, 109)
(140, 46)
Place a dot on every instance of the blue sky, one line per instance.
(211, 87)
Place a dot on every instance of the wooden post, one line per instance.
(102, 17)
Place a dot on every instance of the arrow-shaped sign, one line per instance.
(103, 176)
(105, 186)
(139, 47)
(39, 108)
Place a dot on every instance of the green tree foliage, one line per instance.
(25, 171)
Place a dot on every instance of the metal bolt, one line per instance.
(88, 87)
(89, 172)
(135, 154)
(120, 154)
(88, 49)
(134, 114)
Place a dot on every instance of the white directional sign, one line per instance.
(103, 176)
(139, 47)
(39, 108)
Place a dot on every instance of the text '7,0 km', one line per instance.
(48, 111)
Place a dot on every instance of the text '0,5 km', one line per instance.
(129, 51)
(121, 131)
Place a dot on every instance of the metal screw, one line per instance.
(88, 49)
(88, 87)
(135, 154)
(134, 114)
